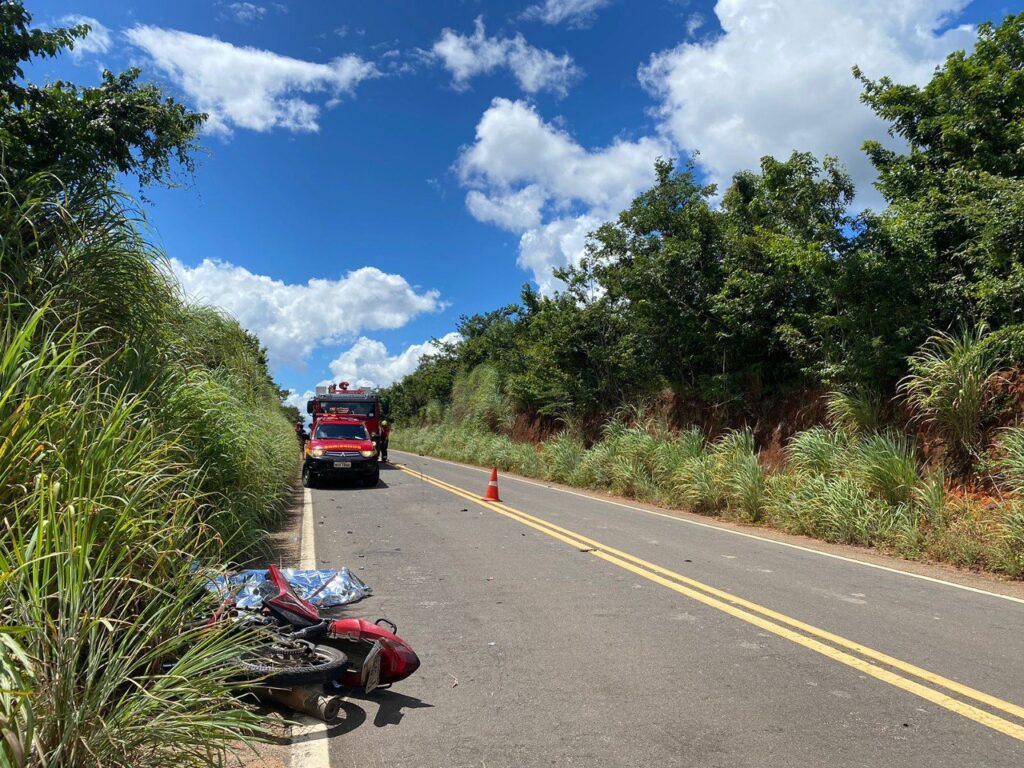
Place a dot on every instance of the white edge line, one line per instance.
(307, 547)
(311, 749)
(746, 535)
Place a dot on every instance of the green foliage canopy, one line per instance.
(120, 126)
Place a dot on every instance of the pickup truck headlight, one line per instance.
(367, 454)
(318, 452)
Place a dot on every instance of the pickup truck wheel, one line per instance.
(372, 480)
(307, 478)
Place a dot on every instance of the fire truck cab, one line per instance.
(363, 404)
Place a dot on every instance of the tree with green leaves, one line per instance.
(660, 265)
(120, 126)
(957, 195)
(786, 232)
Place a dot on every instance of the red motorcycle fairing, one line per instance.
(287, 605)
(397, 659)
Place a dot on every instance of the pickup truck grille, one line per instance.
(341, 454)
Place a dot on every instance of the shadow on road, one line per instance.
(391, 708)
(347, 485)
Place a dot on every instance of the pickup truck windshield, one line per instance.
(341, 432)
(358, 407)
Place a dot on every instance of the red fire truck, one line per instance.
(363, 404)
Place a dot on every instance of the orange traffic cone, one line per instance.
(492, 487)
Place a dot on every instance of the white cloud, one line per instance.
(515, 146)
(298, 399)
(248, 87)
(515, 211)
(368, 364)
(576, 13)
(246, 12)
(558, 243)
(530, 177)
(778, 78)
(293, 319)
(98, 40)
(535, 69)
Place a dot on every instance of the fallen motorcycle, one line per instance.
(375, 656)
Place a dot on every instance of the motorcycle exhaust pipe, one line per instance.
(310, 701)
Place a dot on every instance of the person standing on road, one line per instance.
(301, 434)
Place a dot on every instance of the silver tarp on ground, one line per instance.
(324, 588)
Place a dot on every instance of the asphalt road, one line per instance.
(622, 638)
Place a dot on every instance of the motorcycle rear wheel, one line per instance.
(285, 668)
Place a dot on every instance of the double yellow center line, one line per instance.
(908, 677)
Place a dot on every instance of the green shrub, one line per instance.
(854, 412)
(1011, 463)
(817, 451)
(949, 386)
(696, 485)
(885, 466)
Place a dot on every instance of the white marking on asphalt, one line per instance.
(309, 737)
(307, 549)
(687, 521)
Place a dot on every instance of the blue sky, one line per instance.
(374, 169)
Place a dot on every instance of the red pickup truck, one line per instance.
(340, 446)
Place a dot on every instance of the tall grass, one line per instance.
(139, 439)
(478, 399)
(818, 451)
(244, 447)
(17, 720)
(949, 387)
(885, 466)
(1011, 461)
(854, 412)
(103, 525)
(853, 483)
